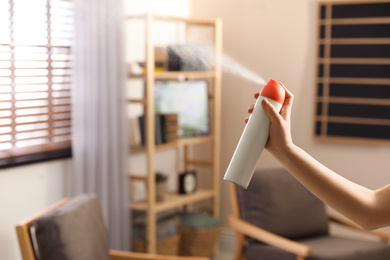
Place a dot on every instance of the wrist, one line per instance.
(283, 152)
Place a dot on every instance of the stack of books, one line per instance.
(166, 128)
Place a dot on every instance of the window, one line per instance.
(35, 74)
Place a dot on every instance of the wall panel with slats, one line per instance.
(353, 71)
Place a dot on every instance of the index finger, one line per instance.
(289, 97)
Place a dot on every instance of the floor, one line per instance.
(227, 245)
(224, 255)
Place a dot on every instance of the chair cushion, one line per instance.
(267, 252)
(325, 248)
(275, 201)
(340, 248)
(74, 231)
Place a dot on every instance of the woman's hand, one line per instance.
(280, 131)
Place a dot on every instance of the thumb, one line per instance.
(270, 110)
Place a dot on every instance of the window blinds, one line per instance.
(35, 74)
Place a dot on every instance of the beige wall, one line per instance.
(276, 38)
(25, 190)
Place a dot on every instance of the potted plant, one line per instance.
(161, 186)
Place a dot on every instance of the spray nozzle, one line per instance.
(274, 90)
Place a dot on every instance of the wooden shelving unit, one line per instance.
(179, 143)
(174, 200)
(178, 75)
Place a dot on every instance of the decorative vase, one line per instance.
(161, 188)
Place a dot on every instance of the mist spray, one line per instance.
(254, 136)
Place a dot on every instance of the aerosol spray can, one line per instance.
(254, 137)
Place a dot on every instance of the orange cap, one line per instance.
(274, 91)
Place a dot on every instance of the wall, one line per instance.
(24, 191)
(277, 39)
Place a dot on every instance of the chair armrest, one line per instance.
(383, 235)
(125, 255)
(269, 238)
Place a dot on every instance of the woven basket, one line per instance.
(199, 242)
(165, 246)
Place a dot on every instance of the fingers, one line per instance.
(250, 108)
(270, 111)
(285, 112)
(289, 97)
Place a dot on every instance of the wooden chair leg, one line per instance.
(240, 245)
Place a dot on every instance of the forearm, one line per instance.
(354, 201)
(369, 209)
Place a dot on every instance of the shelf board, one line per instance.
(180, 142)
(194, 140)
(191, 20)
(199, 21)
(185, 75)
(178, 75)
(174, 200)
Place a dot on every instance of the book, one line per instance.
(170, 127)
(158, 129)
(166, 128)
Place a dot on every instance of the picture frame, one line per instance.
(188, 99)
(188, 182)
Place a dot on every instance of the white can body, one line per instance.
(250, 146)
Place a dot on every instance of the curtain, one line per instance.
(99, 113)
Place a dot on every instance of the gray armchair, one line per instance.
(278, 218)
(74, 230)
